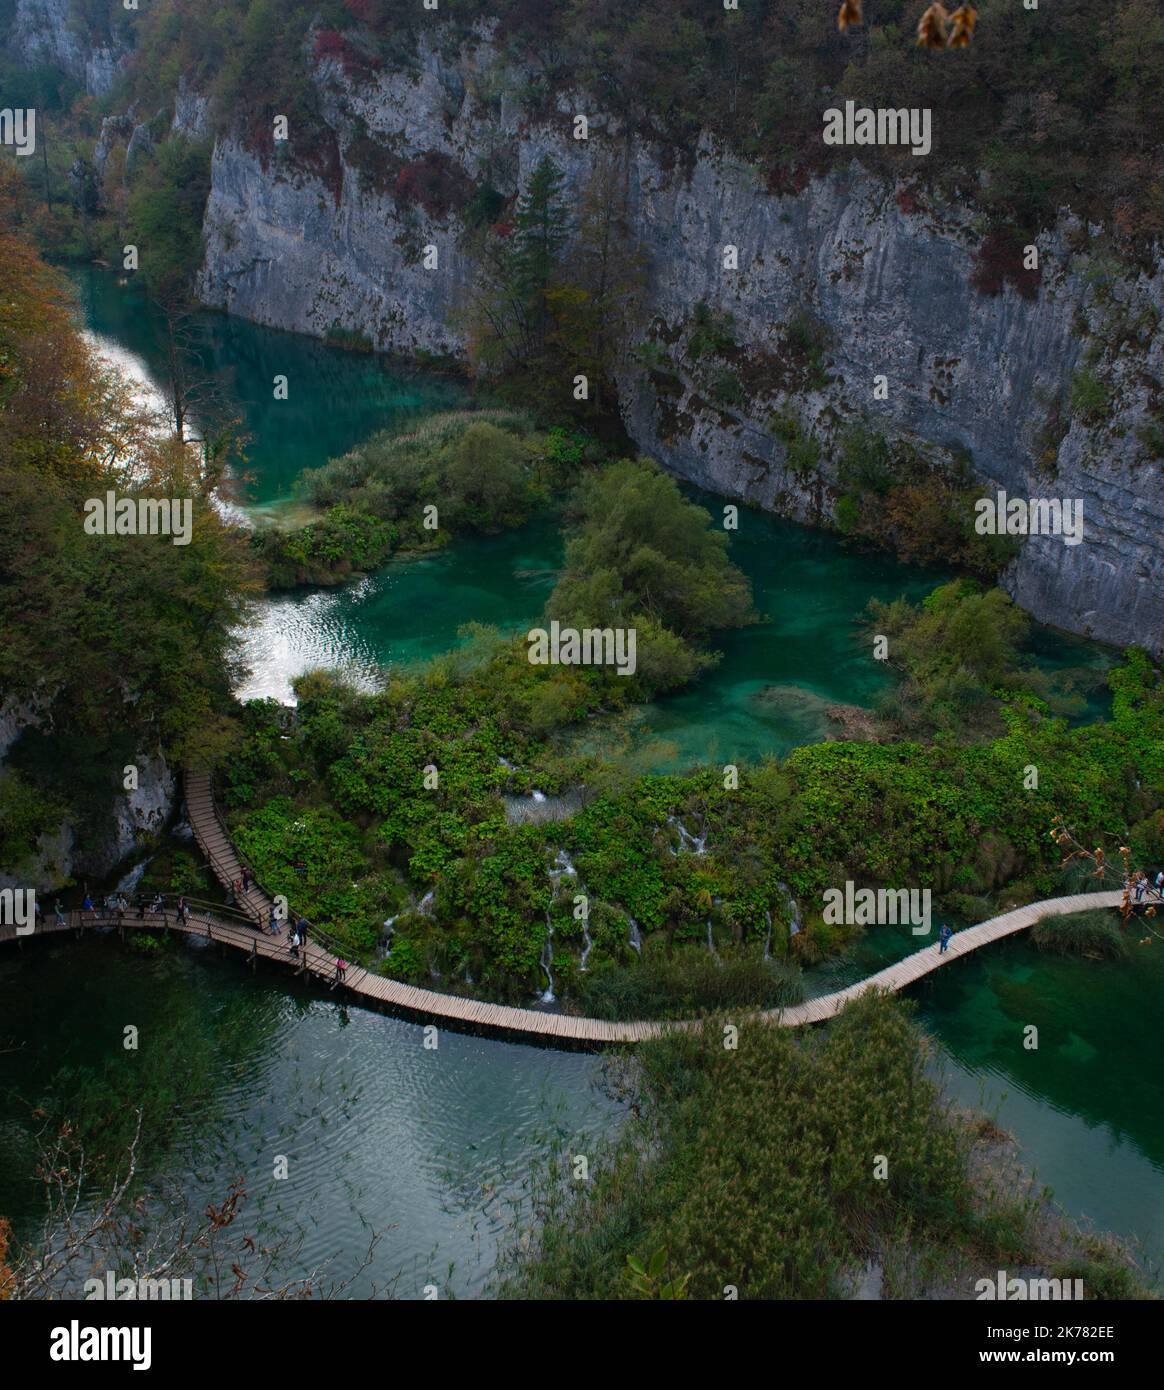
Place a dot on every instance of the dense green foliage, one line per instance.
(681, 856)
(961, 652)
(645, 558)
(756, 1168)
(686, 983)
(462, 473)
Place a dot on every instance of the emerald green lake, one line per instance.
(1086, 1107)
(431, 1148)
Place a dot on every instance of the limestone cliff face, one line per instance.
(48, 32)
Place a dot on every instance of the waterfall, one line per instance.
(128, 883)
(711, 940)
(768, 938)
(564, 868)
(547, 961)
(696, 843)
(635, 939)
(388, 935)
(794, 923)
(425, 904)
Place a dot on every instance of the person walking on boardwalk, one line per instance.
(1141, 884)
(944, 939)
(1160, 884)
(341, 970)
(293, 947)
(183, 911)
(274, 921)
(59, 913)
(88, 911)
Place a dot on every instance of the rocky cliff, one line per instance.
(882, 273)
(50, 33)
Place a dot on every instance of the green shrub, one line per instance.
(687, 981)
(1095, 934)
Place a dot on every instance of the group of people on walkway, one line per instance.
(1142, 886)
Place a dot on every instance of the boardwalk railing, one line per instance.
(208, 823)
(529, 1024)
(243, 929)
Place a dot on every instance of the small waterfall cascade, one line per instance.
(794, 909)
(564, 868)
(547, 961)
(635, 940)
(128, 882)
(768, 937)
(389, 933)
(696, 844)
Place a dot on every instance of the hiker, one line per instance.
(274, 921)
(159, 905)
(87, 907)
(1141, 884)
(141, 906)
(183, 911)
(341, 970)
(294, 947)
(1160, 884)
(944, 939)
(246, 880)
(59, 911)
(38, 914)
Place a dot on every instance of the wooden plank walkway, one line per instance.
(427, 1005)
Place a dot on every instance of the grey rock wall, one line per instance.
(48, 32)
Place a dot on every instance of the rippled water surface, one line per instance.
(429, 1147)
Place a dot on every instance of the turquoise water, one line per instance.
(429, 1148)
(1087, 1105)
(334, 398)
(774, 682)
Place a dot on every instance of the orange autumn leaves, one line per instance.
(937, 28)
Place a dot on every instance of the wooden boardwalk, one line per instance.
(531, 1025)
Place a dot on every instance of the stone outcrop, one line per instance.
(64, 853)
(49, 33)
